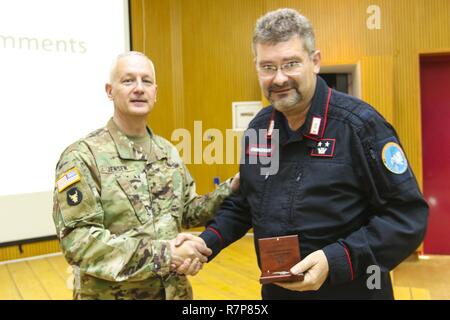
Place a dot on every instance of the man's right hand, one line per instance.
(189, 252)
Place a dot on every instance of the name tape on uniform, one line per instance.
(260, 150)
(67, 179)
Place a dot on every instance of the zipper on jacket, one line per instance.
(264, 197)
(295, 191)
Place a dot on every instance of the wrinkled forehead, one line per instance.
(133, 65)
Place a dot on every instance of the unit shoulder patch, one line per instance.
(74, 196)
(394, 158)
(67, 179)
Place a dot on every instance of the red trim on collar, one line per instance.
(271, 125)
(312, 138)
(325, 116)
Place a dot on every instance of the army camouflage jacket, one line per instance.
(115, 208)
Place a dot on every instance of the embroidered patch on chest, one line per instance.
(324, 148)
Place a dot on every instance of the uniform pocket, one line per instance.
(137, 192)
(255, 186)
(167, 191)
(327, 196)
(165, 185)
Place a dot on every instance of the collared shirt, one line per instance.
(115, 210)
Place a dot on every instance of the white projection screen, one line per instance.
(55, 57)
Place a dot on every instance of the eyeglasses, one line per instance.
(290, 69)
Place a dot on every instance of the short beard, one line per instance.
(288, 103)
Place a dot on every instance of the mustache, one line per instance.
(289, 84)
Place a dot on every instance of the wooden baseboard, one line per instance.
(29, 250)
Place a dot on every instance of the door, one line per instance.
(435, 99)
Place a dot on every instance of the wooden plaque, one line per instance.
(278, 255)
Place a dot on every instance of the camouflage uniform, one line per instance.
(115, 222)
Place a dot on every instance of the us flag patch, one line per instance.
(67, 179)
(324, 148)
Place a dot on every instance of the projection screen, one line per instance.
(55, 57)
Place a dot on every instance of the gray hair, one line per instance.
(281, 25)
(127, 54)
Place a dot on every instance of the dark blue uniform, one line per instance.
(343, 186)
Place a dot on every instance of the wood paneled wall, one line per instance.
(203, 58)
(202, 52)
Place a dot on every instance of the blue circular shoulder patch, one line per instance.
(393, 158)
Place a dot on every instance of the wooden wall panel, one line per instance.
(380, 91)
(216, 61)
(151, 34)
(218, 69)
(202, 66)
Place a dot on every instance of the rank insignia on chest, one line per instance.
(324, 148)
(74, 196)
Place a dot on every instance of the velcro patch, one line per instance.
(67, 179)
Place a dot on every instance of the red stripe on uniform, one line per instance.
(325, 117)
(217, 234)
(349, 261)
(326, 112)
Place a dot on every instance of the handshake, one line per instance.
(189, 253)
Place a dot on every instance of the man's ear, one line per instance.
(316, 59)
(108, 89)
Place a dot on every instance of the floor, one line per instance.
(233, 275)
(431, 273)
